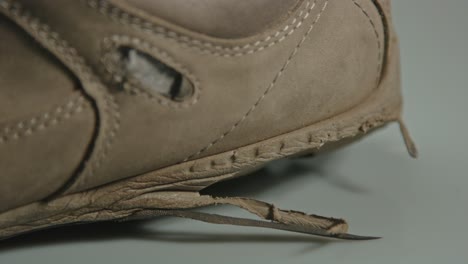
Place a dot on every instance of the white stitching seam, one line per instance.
(76, 63)
(43, 121)
(270, 87)
(112, 108)
(205, 46)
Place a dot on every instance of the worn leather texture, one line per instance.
(220, 18)
(302, 63)
(46, 123)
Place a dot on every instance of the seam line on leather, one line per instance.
(41, 122)
(210, 47)
(379, 43)
(112, 109)
(111, 44)
(385, 16)
(270, 87)
(108, 124)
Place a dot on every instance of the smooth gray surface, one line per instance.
(420, 207)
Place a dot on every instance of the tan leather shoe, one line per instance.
(122, 109)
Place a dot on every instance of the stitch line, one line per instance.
(204, 46)
(270, 87)
(41, 122)
(111, 108)
(110, 45)
(78, 65)
(379, 44)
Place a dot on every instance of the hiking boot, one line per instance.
(126, 109)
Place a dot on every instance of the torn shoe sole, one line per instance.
(173, 190)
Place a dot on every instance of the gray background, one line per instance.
(420, 207)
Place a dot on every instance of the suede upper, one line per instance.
(297, 63)
(221, 18)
